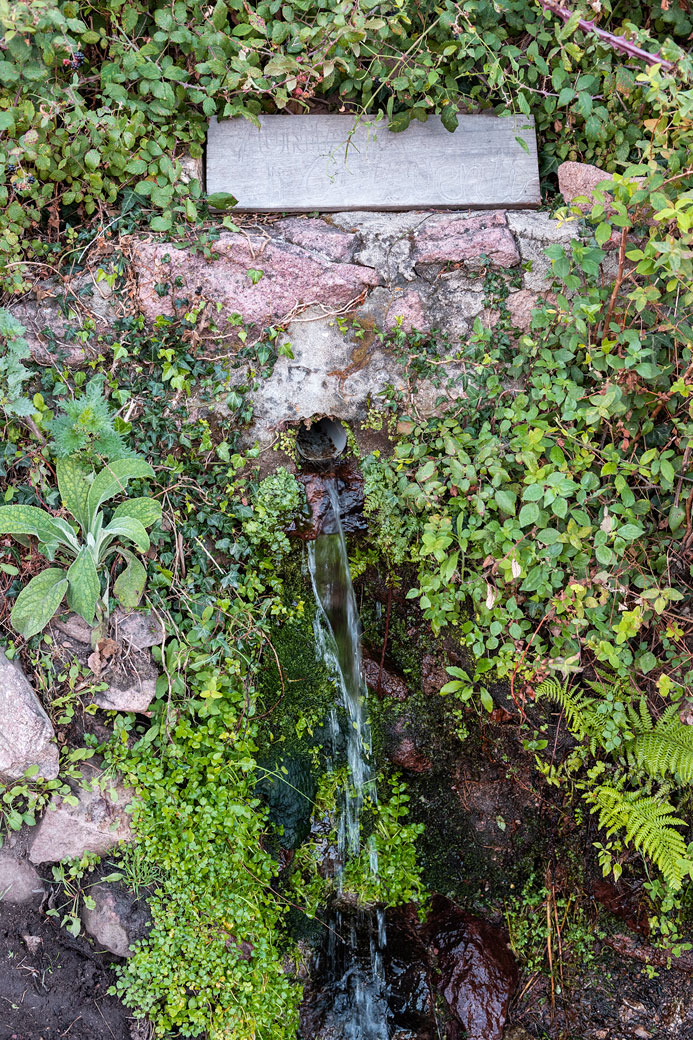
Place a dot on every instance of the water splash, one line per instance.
(359, 990)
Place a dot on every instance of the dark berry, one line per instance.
(11, 167)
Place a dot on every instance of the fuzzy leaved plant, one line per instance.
(81, 549)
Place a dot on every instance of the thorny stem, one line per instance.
(619, 43)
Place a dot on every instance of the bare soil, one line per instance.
(55, 987)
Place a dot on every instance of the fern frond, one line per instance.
(665, 748)
(577, 708)
(649, 824)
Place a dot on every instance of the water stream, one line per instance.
(357, 988)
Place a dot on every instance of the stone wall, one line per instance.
(419, 269)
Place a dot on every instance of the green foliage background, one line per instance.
(101, 100)
(565, 539)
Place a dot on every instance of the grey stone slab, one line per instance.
(26, 733)
(331, 163)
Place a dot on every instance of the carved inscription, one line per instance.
(331, 162)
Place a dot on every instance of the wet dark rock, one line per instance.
(412, 989)
(118, 919)
(433, 675)
(477, 971)
(621, 901)
(406, 755)
(405, 750)
(349, 482)
(384, 682)
(287, 786)
(454, 955)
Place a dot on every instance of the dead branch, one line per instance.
(626, 946)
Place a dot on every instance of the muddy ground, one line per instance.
(54, 986)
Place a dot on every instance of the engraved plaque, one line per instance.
(333, 162)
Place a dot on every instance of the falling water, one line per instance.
(360, 1003)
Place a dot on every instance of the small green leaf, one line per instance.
(486, 699)
(221, 200)
(646, 662)
(38, 601)
(161, 223)
(92, 159)
(604, 555)
(603, 233)
(630, 532)
(448, 118)
(451, 687)
(529, 514)
(677, 514)
(219, 15)
(506, 500)
(401, 121)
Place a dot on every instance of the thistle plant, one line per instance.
(81, 548)
(85, 427)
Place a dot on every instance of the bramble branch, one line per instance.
(619, 43)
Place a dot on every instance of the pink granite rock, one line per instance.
(408, 307)
(318, 236)
(576, 179)
(522, 305)
(465, 239)
(291, 278)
